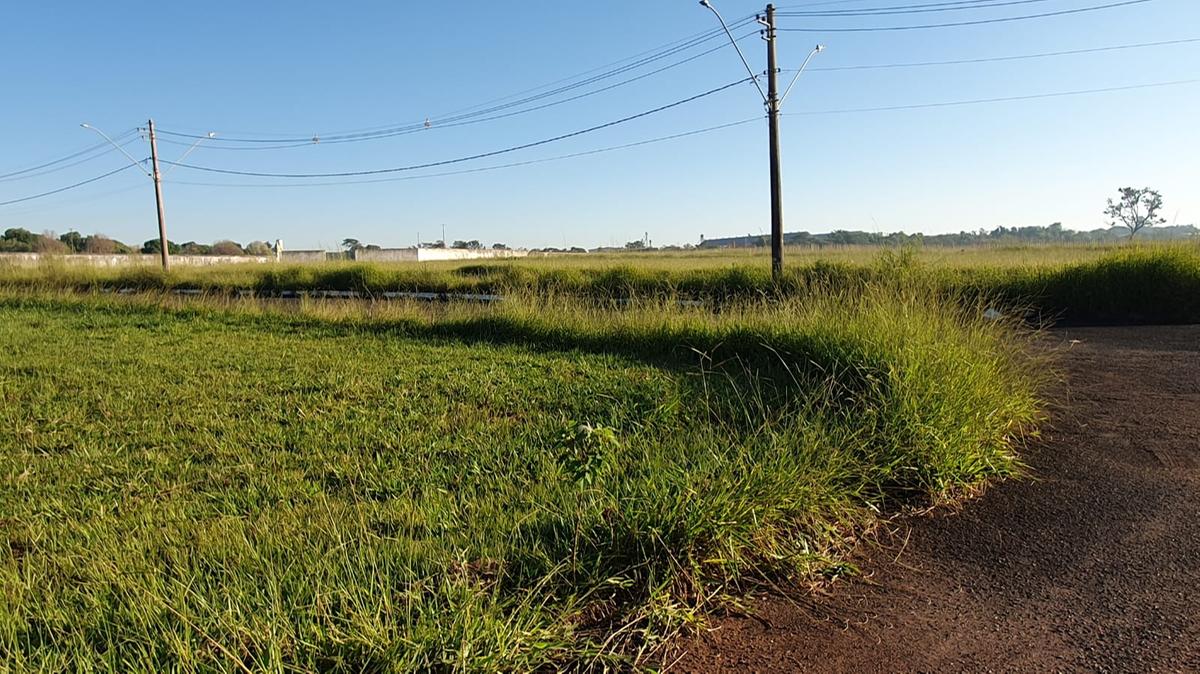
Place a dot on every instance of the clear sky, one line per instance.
(279, 69)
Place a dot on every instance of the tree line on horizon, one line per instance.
(1053, 233)
(20, 240)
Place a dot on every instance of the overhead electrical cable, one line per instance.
(1001, 99)
(59, 203)
(667, 49)
(825, 3)
(479, 120)
(482, 169)
(655, 53)
(77, 162)
(482, 155)
(415, 127)
(978, 22)
(913, 9)
(678, 135)
(283, 146)
(993, 59)
(93, 148)
(68, 187)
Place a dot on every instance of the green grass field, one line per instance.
(223, 485)
(1142, 283)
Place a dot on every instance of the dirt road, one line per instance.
(1091, 564)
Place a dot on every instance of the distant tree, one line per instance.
(371, 246)
(636, 245)
(74, 240)
(98, 244)
(351, 244)
(259, 248)
(153, 247)
(227, 248)
(193, 248)
(48, 243)
(577, 249)
(461, 245)
(500, 246)
(1135, 209)
(18, 240)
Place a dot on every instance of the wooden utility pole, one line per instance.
(162, 223)
(776, 176)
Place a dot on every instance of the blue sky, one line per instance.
(270, 69)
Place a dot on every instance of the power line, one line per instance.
(611, 73)
(975, 101)
(668, 46)
(823, 3)
(961, 5)
(479, 120)
(979, 22)
(420, 126)
(614, 147)
(62, 167)
(415, 127)
(482, 155)
(992, 59)
(483, 169)
(56, 204)
(68, 187)
(69, 157)
(682, 135)
(703, 34)
(259, 148)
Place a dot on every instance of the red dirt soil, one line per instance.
(1091, 563)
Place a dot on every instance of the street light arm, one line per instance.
(111, 142)
(753, 77)
(211, 135)
(816, 50)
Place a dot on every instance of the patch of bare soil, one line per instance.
(1092, 563)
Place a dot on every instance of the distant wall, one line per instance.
(386, 255)
(34, 259)
(434, 254)
(288, 256)
(303, 256)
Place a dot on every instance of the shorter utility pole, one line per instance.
(158, 199)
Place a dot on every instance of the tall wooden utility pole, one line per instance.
(776, 176)
(773, 101)
(162, 223)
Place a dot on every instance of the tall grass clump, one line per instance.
(235, 485)
(1159, 284)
